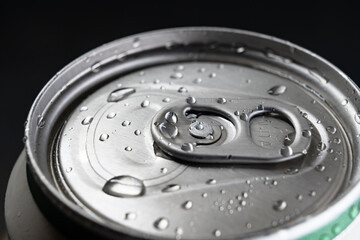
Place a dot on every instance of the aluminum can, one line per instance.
(191, 133)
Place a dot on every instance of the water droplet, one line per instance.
(357, 118)
(336, 229)
(168, 130)
(325, 236)
(179, 68)
(237, 113)
(248, 225)
(280, 205)
(69, 169)
(120, 94)
(179, 231)
(274, 182)
(145, 103)
(197, 80)
(211, 181)
(248, 81)
(321, 146)
(187, 147)
(130, 216)
(96, 67)
(40, 121)
(126, 123)
(328, 179)
(136, 42)
(171, 188)
(331, 129)
(313, 101)
(212, 75)
(299, 197)
(222, 191)
(337, 140)
(353, 212)
(171, 117)
(217, 233)
(166, 100)
(137, 132)
(111, 115)
(187, 205)
(156, 81)
(129, 149)
(344, 102)
(191, 100)
(312, 193)
(291, 170)
(103, 137)
(240, 49)
(176, 75)
(83, 109)
(244, 116)
(124, 186)
(277, 90)
(306, 133)
(163, 170)
(286, 151)
(202, 70)
(161, 224)
(182, 90)
(242, 203)
(220, 66)
(221, 100)
(320, 168)
(25, 138)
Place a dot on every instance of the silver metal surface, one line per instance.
(228, 134)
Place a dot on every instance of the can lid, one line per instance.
(198, 133)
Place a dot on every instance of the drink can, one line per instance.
(190, 133)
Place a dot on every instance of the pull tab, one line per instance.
(208, 131)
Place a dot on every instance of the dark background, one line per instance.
(36, 42)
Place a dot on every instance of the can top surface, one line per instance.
(198, 133)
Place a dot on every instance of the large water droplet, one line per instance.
(171, 188)
(331, 129)
(171, 117)
(168, 130)
(120, 94)
(87, 120)
(161, 224)
(124, 186)
(277, 90)
(280, 205)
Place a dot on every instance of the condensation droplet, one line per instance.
(130, 216)
(331, 129)
(321, 146)
(168, 130)
(277, 90)
(182, 90)
(176, 75)
(320, 168)
(171, 188)
(145, 103)
(96, 67)
(217, 233)
(204, 195)
(137, 132)
(306, 133)
(103, 137)
(286, 151)
(40, 121)
(299, 197)
(166, 100)
(337, 140)
(357, 118)
(120, 94)
(136, 42)
(240, 49)
(197, 80)
(111, 115)
(179, 68)
(312, 193)
(280, 205)
(211, 181)
(161, 224)
(221, 100)
(124, 187)
(87, 120)
(187, 205)
(212, 75)
(163, 170)
(201, 70)
(187, 147)
(126, 123)
(83, 109)
(344, 102)
(237, 113)
(128, 148)
(291, 170)
(69, 169)
(191, 100)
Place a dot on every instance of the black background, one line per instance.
(36, 42)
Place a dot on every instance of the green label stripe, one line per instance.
(333, 229)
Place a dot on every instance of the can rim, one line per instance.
(309, 225)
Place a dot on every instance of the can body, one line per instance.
(193, 133)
